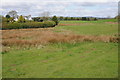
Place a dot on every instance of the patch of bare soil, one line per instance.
(112, 22)
(74, 24)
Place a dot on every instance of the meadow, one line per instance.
(72, 49)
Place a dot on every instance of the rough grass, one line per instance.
(40, 36)
(82, 50)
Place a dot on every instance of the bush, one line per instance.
(21, 19)
(95, 19)
(84, 18)
(28, 25)
(54, 18)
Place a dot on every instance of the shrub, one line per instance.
(84, 18)
(95, 19)
(21, 19)
(54, 18)
(28, 25)
(7, 16)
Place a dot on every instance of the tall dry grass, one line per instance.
(44, 36)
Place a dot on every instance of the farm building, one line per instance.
(26, 17)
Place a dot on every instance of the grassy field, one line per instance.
(59, 52)
(90, 27)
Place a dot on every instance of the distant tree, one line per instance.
(55, 19)
(88, 19)
(72, 18)
(7, 16)
(66, 18)
(38, 19)
(12, 13)
(69, 18)
(35, 19)
(95, 19)
(84, 18)
(61, 18)
(77, 18)
(21, 19)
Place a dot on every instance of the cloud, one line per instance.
(62, 8)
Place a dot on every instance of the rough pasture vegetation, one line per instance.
(82, 50)
(45, 36)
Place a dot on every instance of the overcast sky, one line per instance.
(78, 8)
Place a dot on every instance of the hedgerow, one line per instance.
(17, 25)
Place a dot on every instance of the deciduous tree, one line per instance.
(21, 19)
(12, 13)
(55, 19)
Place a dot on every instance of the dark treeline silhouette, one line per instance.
(67, 18)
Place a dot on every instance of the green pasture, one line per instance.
(90, 27)
(66, 60)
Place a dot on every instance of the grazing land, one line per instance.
(72, 49)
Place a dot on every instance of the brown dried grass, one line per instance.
(44, 36)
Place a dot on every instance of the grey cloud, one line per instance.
(62, 8)
(93, 4)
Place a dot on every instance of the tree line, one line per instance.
(13, 21)
(12, 17)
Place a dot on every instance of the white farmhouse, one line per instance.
(26, 17)
(16, 18)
